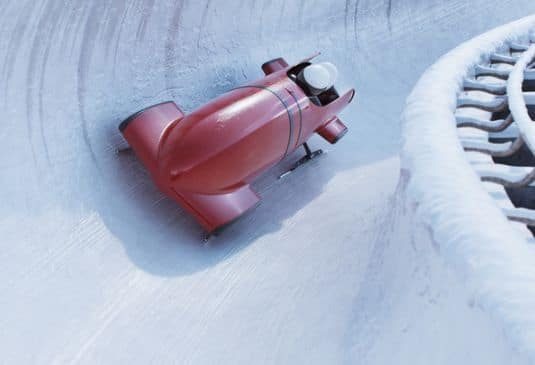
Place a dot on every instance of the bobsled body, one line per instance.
(207, 159)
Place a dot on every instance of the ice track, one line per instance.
(97, 266)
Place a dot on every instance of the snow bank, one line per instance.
(471, 230)
(517, 104)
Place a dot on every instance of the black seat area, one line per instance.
(322, 99)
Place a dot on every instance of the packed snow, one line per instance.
(517, 102)
(471, 229)
(98, 267)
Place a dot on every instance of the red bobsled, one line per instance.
(207, 160)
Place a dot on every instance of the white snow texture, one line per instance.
(471, 229)
(97, 266)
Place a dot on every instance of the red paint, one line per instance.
(206, 160)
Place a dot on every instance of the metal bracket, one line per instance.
(309, 156)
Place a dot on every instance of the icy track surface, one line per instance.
(96, 266)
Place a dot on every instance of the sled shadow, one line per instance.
(161, 238)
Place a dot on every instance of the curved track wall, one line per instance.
(92, 255)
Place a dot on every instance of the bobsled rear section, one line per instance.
(215, 211)
(145, 130)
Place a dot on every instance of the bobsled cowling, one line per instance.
(207, 160)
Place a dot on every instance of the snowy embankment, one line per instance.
(471, 230)
(517, 104)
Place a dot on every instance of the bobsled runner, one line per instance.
(206, 160)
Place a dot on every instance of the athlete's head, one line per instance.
(320, 76)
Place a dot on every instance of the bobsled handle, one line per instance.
(274, 65)
(333, 130)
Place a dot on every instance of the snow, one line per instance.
(98, 267)
(517, 102)
(508, 173)
(493, 148)
(496, 261)
(483, 124)
(521, 214)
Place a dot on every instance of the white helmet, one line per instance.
(320, 76)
